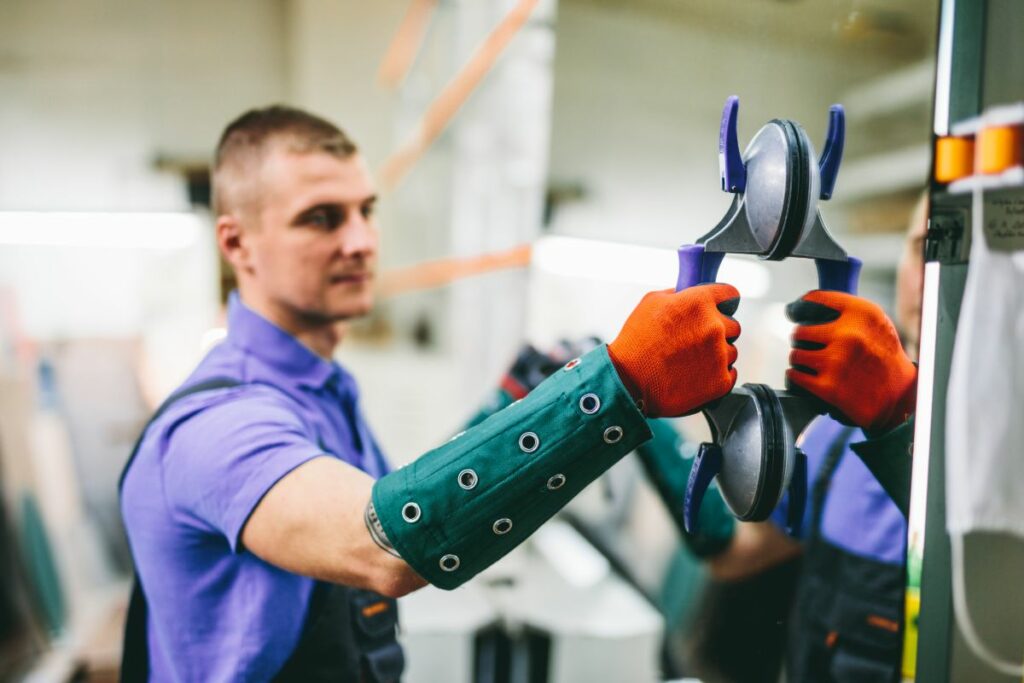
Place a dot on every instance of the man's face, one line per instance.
(313, 251)
(910, 278)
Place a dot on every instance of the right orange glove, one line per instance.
(675, 352)
(847, 353)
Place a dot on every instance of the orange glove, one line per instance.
(675, 352)
(846, 352)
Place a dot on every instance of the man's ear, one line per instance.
(232, 241)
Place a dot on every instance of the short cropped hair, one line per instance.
(247, 139)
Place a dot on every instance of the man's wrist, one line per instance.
(627, 381)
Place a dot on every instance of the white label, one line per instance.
(1004, 220)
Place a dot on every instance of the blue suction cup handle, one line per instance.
(838, 276)
(730, 161)
(696, 266)
(797, 495)
(832, 155)
(706, 466)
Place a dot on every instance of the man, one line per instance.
(846, 625)
(268, 533)
(848, 616)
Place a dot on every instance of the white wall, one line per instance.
(162, 291)
(637, 106)
(94, 90)
(333, 52)
(638, 102)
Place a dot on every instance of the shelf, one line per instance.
(905, 89)
(1011, 177)
(887, 173)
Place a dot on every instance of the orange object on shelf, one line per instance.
(954, 158)
(998, 148)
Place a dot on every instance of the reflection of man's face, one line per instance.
(315, 245)
(910, 278)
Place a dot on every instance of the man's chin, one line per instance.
(351, 310)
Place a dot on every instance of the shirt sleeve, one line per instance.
(890, 458)
(218, 463)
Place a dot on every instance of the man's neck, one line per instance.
(322, 340)
(319, 337)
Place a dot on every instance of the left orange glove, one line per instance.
(847, 353)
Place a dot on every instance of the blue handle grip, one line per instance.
(706, 466)
(696, 266)
(730, 161)
(832, 155)
(839, 276)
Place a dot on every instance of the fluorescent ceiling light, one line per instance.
(649, 266)
(135, 230)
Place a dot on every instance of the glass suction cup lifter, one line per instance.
(777, 186)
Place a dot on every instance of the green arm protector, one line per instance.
(461, 507)
(890, 458)
(667, 460)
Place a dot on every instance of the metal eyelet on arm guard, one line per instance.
(373, 525)
(529, 461)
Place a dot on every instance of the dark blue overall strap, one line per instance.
(199, 387)
(823, 479)
(135, 654)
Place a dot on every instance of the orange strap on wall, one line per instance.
(444, 271)
(406, 43)
(441, 111)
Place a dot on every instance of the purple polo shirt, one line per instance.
(216, 611)
(858, 516)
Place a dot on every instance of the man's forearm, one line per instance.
(667, 464)
(311, 523)
(754, 548)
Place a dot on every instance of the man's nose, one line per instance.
(359, 237)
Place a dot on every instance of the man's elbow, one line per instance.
(398, 582)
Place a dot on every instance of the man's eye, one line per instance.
(367, 210)
(323, 218)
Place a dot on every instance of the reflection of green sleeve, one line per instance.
(890, 458)
(498, 400)
(667, 459)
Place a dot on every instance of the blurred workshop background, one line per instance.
(538, 161)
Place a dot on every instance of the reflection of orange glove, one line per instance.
(847, 353)
(675, 351)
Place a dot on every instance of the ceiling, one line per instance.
(870, 29)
